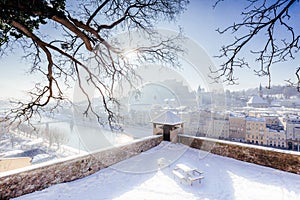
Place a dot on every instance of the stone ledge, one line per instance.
(285, 161)
(37, 178)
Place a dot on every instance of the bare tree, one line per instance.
(271, 20)
(78, 27)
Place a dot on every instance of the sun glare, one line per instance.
(130, 55)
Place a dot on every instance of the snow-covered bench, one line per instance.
(191, 179)
(189, 175)
(179, 175)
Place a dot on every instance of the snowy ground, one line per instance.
(140, 178)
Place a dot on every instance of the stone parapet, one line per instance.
(38, 177)
(275, 158)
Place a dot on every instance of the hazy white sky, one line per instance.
(199, 23)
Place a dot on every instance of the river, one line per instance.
(92, 137)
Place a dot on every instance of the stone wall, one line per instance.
(279, 159)
(38, 177)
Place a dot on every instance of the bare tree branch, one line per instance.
(261, 19)
(80, 37)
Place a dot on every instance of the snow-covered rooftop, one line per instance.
(168, 118)
(255, 119)
(276, 131)
(257, 100)
(141, 178)
(236, 115)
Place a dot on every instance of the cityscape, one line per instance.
(256, 117)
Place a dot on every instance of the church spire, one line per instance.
(260, 93)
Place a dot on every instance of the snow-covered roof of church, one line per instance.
(257, 100)
(168, 118)
(275, 103)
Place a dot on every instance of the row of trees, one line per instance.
(52, 137)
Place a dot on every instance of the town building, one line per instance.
(293, 133)
(203, 98)
(275, 138)
(237, 128)
(218, 128)
(205, 118)
(271, 119)
(255, 130)
(258, 101)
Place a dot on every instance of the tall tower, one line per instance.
(199, 96)
(260, 93)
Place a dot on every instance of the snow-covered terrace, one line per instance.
(149, 176)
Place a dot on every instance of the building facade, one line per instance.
(237, 128)
(293, 133)
(256, 130)
(275, 138)
(218, 128)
